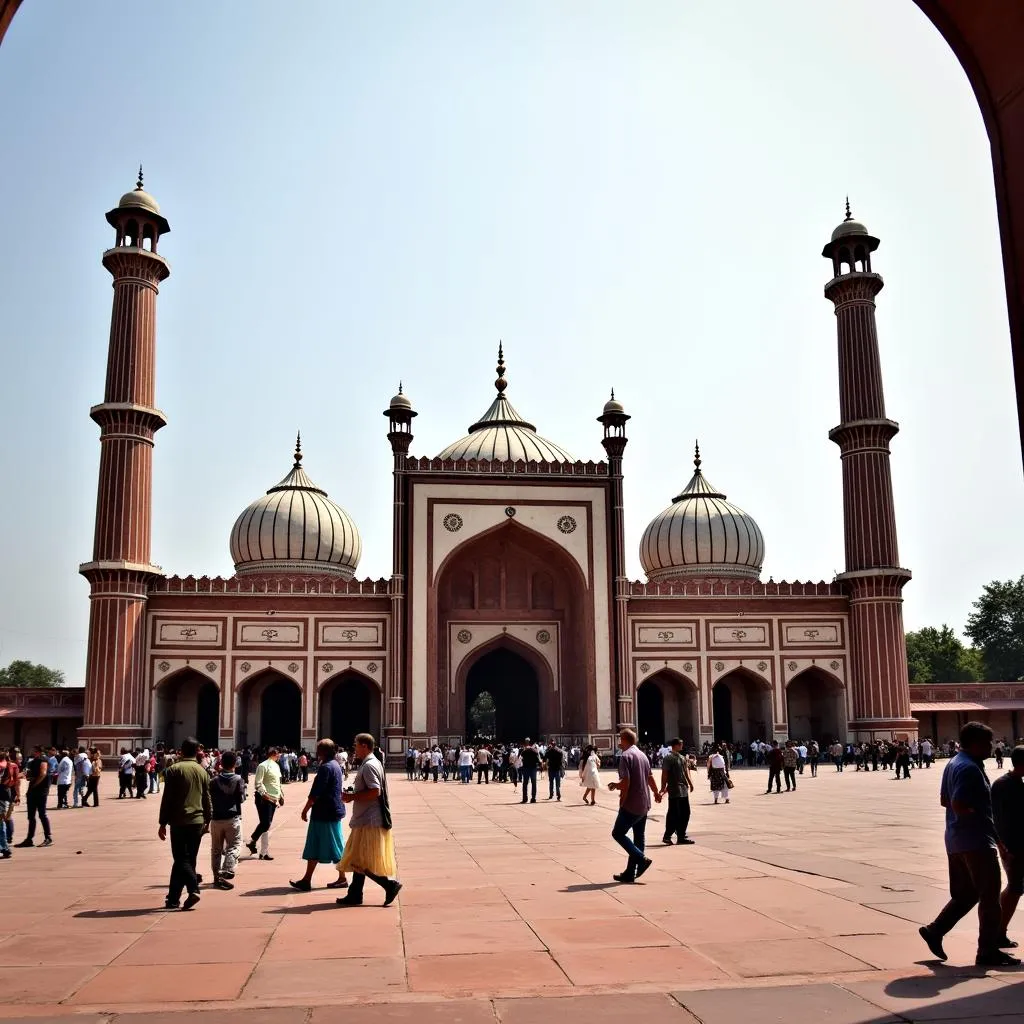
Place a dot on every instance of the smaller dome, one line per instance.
(401, 400)
(849, 227)
(613, 404)
(140, 200)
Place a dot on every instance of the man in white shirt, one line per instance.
(81, 760)
(268, 799)
(926, 751)
(801, 756)
(65, 772)
(435, 762)
(483, 766)
(465, 764)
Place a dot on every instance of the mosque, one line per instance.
(508, 576)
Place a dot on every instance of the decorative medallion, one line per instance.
(792, 666)
(762, 665)
(270, 635)
(834, 665)
(452, 522)
(739, 635)
(644, 667)
(245, 666)
(211, 666)
(666, 635)
(566, 524)
(510, 511)
(688, 666)
(189, 633)
(463, 636)
(164, 666)
(543, 636)
(327, 666)
(293, 666)
(348, 635)
(372, 667)
(719, 665)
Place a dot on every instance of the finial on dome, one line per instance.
(500, 383)
(400, 387)
(138, 184)
(696, 455)
(613, 395)
(849, 216)
(298, 449)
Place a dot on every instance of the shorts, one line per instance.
(1013, 865)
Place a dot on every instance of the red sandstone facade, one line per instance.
(508, 576)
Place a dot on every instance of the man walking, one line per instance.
(971, 851)
(185, 807)
(227, 793)
(1008, 814)
(530, 762)
(483, 765)
(37, 773)
(554, 761)
(370, 850)
(268, 799)
(774, 768)
(8, 798)
(635, 779)
(83, 769)
(789, 764)
(677, 784)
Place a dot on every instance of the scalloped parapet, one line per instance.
(325, 586)
(709, 587)
(505, 467)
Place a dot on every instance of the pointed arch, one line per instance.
(742, 706)
(269, 710)
(816, 705)
(185, 702)
(668, 706)
(349, 702)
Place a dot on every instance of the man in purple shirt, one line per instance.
(635, 779)
(971, 851)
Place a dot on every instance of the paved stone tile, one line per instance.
(326, 980)
(603, 1009)
(143, 983)
(783, 1005)
(331, 936)
(278, 1015)
(528, 972)
(601, 933)
(450, 1011)
(571, 905)
(656, 965)
(692, 927)
(198, 946)
(37, 950)
(943, 995)
(24, 985)
(473, 935)
(779, 957)
(902, 951)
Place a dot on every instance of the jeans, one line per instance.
(154, 785)
(185, 840)
(265, 809)
(529, 775)
(814, 767)
(62, 794)
(81, 782)
(225, 845)
(513, 774)
(677, 817)
(465, 772)
(92, 789)
(5, 805)
(904, 766)
(36, 801)
(774, 775)
(483, 771)
(973, 881)
(634, 848)
(554, 784)
(790, 774)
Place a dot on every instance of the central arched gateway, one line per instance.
(512, 683)
(269, 712)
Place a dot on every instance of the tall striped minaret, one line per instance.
(121, 567)
(873, 576)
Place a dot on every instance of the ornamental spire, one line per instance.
(696, 455)
(138, 184)
(500, 383)
(849, 216)
(298, 449)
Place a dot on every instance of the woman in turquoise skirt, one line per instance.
(323, 811)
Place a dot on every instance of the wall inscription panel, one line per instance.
(350, 634)
(269, 634)
(739, 634)
(187, 633)
(665, 634)
(812, 634)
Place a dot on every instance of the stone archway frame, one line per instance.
(686, 679)
(244, 678)
(168, 677)
(719, 668)
(833, 667)
(529, 634)
(540, 665)
(358, 668)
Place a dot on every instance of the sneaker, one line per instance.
(934, 942)
(48, 841)
(190, 901)
(996, 959)
(625, 878)
(5, 854)
(393, 889)
(302, 885)
(222, 883)
(169, 904)
(348, 901)
(24, 842)
(643, 866)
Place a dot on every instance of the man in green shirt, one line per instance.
(676, 782)
(186, 808)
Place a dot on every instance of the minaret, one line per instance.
(873, 576)
(400, 415)
(121, 568)
(614, 442)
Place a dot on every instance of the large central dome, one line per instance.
(502, 435)
(701, 534)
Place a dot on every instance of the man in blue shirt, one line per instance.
(971, 851)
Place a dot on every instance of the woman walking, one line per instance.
(718, 774)
(589, 778)
(92, 782)
(324, 844)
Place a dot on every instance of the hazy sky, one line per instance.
(632, 194)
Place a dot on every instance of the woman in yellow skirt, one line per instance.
(370, 850)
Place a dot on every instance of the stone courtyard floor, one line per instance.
(800, 907)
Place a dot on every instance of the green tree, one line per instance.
(482, 715)
(997, 627)
(939, 656)
(24, 673)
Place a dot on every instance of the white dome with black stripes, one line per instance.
(701, 534)
(294, 528)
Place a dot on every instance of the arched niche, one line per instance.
(268, 711)
(349, 703)
(668, 706)
(741, 707)
(816, 706)
(186, 703)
